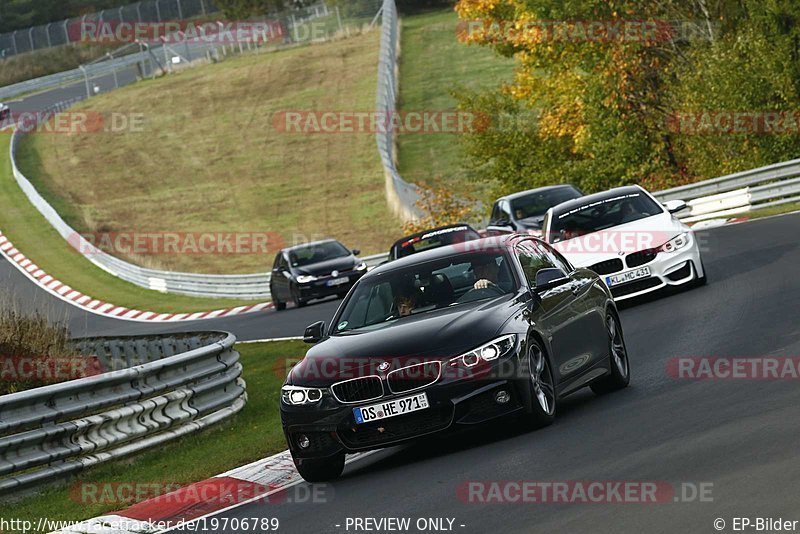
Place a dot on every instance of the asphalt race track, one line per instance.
(741, 436)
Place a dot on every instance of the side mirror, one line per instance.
(674, 206)
(549, 278)
(356, 252)
(315, 332)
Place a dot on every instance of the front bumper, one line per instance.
(666, 269)
(452, 404)
(319, 288)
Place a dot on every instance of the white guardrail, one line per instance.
(727, 195)
(151, 390)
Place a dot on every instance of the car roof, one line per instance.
(431, 230)
(520, 194)
(476, 245)
(311, 244)
(588, 199)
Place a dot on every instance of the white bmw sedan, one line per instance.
(636, 244)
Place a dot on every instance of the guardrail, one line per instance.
(738, 193)
(156, 389)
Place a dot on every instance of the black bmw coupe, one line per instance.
(450, 337)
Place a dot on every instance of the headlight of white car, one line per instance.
(305, 278)
(487, 353)
(297, 395)
(676, 243)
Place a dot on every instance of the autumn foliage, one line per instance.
(603, 77)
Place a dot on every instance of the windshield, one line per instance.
(434, 239)
(537, 204)
(394, 295)
(317, 253)
(602, 214)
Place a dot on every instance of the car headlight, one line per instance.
(297, 395)
(486, 353)
(305, 278)
(676, 243)
(361, 266)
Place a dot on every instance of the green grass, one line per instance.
(252, 434)
(210, 158)
(433, 65)
(33, 236)
(769, 212)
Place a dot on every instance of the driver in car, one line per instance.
(487, 272)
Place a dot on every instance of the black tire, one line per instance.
(620, 375)
(296, 300)
(279, 306)
(320, 470)
(544, 399)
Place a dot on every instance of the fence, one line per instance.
(156, 389)
(401, 195)
(145, 59)
(69, 31)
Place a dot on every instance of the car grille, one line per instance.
(413, 377)
(640, 258)
(396, 428)
(635, 286)
(607, 266)
(358, 389)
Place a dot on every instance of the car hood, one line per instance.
(437, 335)
(347, 263)
(619, 241)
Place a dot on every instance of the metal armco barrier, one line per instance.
(156, 389)
(737, 193)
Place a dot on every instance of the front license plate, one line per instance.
(621, 278)
(338, 281)
(391, 408)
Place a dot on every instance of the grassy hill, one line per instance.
(433, 65)
(209, 157)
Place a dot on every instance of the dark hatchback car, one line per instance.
(524, 211)
(434, 238)
(449, 338)
(314, 271)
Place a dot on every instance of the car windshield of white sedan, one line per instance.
(602, 214)
(317, 253)
(388, 297)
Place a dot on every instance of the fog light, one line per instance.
(303, 441)
(502, 397)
